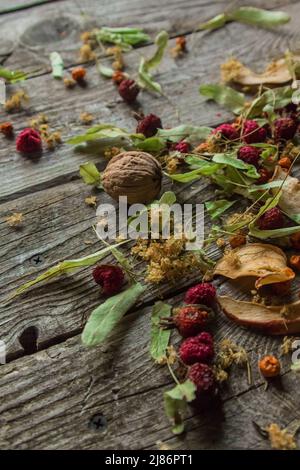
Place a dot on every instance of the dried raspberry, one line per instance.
(29, 141)
(7, 129)
(203, 293)
(271, 219)
(191, 320)
(199, 348)
(128, 90)
(227, 130)
(285, 128)
(265, 175)
(79, 74)
(253, 133)
(203, 377)
(182, 147)
(249, 155)
(109, 277)
(181, 42)
(149, 125)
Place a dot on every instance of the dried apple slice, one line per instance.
(273, 320)
(265, 262)
(289, 200)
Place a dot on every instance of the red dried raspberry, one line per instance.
(227, 130)
(271, 219)
(29, 141)
(191, 320)
(199, 348)
(265, 175)
(203, 293)
(128, 90)
(285, 128)
(149, 125)
(249, 155)
(203, 377)
(253, 133)
(109, 277)
(182, 147)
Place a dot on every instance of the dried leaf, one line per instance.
(90, 174)
(145, 78)
(67, 266)
(159, 337)
(248, 15)
(57, 65)
(267, 263)
(289, 200)
(225, 96)
(176, 403)
(107, 315)
(216, 208)
(12, 76)
(273, 320)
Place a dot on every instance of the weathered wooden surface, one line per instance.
(64, 385)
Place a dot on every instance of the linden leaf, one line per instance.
(57, 65)
(192, 134)
(176, 401)
(124, 37)
(145, 79)
(12, 76)
(67, 266)
(90, 174)
(159, 337)
(216, 208)
(107, 315)
(225, 96)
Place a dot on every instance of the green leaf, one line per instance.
(90, 174)
(270, 100)
(124, 37)
(176, 401)
(192, 134)
(145, 78)
(12, 76)
(231, 160)
(102, 131)
(248, 15)
(107, 315)
(225, 96)
(206, 169)
(259, 17)
(264, 187)
(296, 366)
(215, 23)
(107, 72)
(67, 266)
(159, 337)
(216, 208)
(57, 65)
(151, 144)
(168, 198)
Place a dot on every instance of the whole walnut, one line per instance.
(134, 174)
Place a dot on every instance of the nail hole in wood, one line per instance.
(98, 422)
(28, 340)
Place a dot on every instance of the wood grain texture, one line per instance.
(49, 399)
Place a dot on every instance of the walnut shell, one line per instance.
(134, 174)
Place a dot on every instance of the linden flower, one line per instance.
(280, 439)
(230, 69)
(15, 220)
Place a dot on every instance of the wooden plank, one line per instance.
(180, 79)
(49, 398)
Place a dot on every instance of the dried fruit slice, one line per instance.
(273, 320)
(265, 262)
(289, 200)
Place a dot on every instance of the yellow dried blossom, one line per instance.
(231, 69)
(69, 82)
(86, 118)
(280, 439)
(86, 53)
(91, 201)
(15, 220)
(287, 345)
(16, 101)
